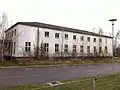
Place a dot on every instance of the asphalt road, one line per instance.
(17, 76)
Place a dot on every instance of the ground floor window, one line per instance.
(100, 50)
(95, 50)
(74, 48)
(66, 48)
(81, 49)
(14, 47)
(27, 46)
(88, 49)
(46, 47)
(56, 47)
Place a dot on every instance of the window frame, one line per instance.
(46, 47)
(74, 48)
(15, 32)
(66, 36)
(82, 38)
(46, 34)
(65, 48)
(74, 37)
(27, 46)
(57, 35)
(81, 49)
(95, 49)
(94, 39)
(100, 40)
(56, 48)
(88, 49)
(14, 49)
(88, 39)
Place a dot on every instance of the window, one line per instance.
(100, 50)
(46, 47)
(106, 50)
(74, 37)
(88, 49)
(74, 48)
(81, 49)
(46, 34)
(88, 38)
(14, 47)
(15, 32)
(66, 48)
(106, 40)
(100, 40)
(12, 33)
(27, 46)
(94, 39)
(56, 47)
(82, 38)
(95, 50)
(56, 35)
(66, 36)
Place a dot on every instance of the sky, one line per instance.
(79, 14)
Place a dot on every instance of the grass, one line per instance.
(109, 82)
(69, 62)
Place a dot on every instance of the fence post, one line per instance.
(94, 83)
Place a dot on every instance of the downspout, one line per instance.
(37, 45)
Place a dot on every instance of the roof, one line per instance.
(55, 27)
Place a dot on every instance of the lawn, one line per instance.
(108, 82)
(68, 62)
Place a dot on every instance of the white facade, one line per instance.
(28, 33)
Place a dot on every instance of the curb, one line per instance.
(34, 66)
(43, 66)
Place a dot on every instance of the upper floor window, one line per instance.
(88, 39)
(56, 35)
(100, 40)
(94, 39)
(106, 40)
(82, 38)
(66, 36)
(74, 37)
(46, 34)
(15, 32)
(12, 33)
(27, 46)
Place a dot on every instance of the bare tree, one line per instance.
(40, 52)
(3, 27)
(116, 38)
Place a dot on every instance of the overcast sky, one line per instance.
(80, 14)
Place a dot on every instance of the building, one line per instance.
(25, 38)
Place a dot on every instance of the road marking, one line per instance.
(73, 71)
(27, 69)
(91, 70)
(11, 77)
(34, 75)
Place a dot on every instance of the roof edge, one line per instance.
(60, 28)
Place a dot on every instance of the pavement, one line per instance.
(34, 75)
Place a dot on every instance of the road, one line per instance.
(17, 76)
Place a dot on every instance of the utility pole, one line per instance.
(62, 43)
(113, 61)
(37, 46)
